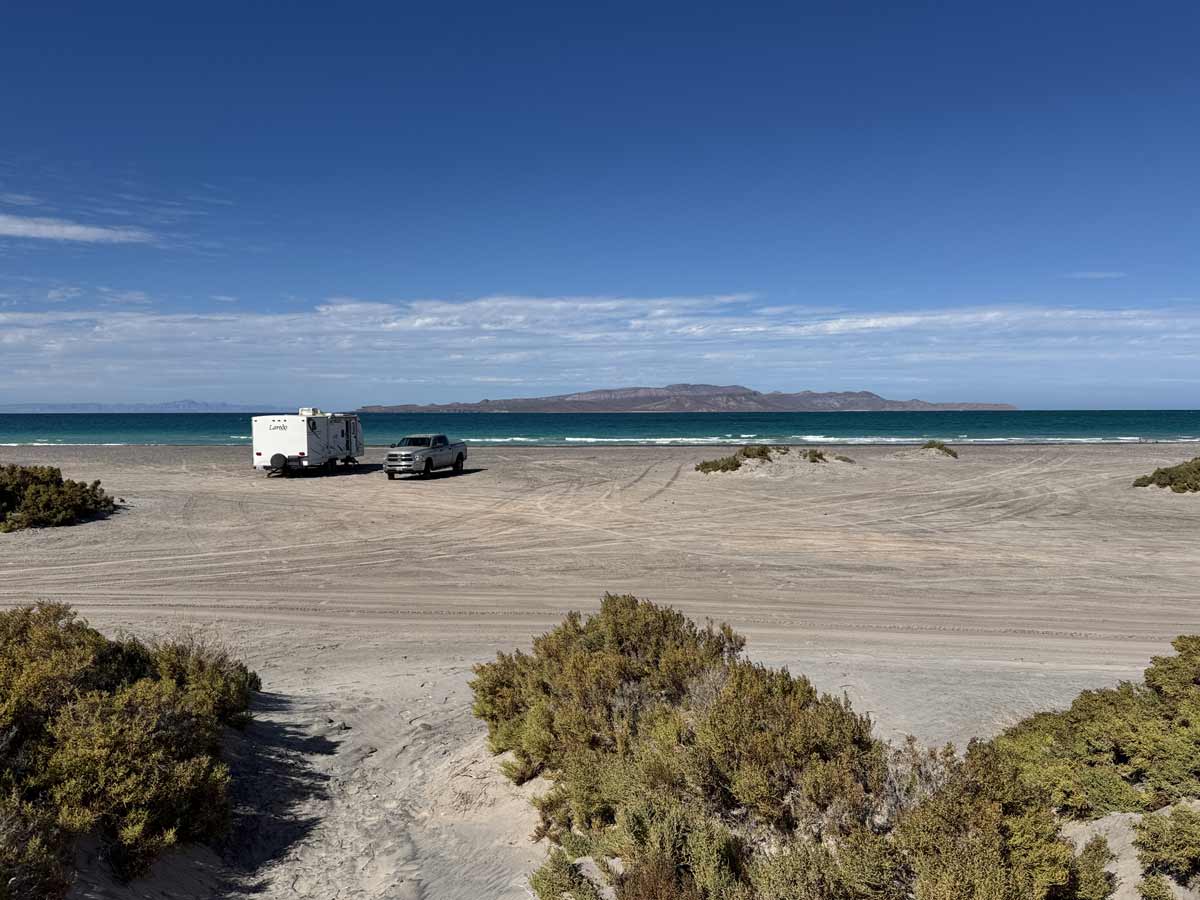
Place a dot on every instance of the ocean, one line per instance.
(584, 429)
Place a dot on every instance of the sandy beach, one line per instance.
(947, 597)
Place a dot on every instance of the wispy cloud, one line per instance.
(1096, 275)
(124, 297)
(19, 200)
(980, 353)
(62, 293)
(64, 230)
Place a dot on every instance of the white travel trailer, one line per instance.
(309, 440)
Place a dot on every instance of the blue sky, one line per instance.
(401, 203)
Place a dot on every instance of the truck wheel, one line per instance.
(458, 465)
(428, 473)
(391, 476)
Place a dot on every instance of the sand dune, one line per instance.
(947, 597)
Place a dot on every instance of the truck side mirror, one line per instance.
(391, 445)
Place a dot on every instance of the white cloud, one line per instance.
(63, 230)
(62, 294)
(125, 297)
(19, 200)
(436, 350)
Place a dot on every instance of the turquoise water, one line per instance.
(583, 429)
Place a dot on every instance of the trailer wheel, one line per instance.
(458, 465)
(428, 472)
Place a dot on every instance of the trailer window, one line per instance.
(312, 424)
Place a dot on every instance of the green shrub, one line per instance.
(1092, 881)
(1127, 749)
(1182, 478)
(157, 780)
(1170, 844)
(113, 738)
(815, 456)
(756, 451)
(713, 778)
(985, 834)
(941, 447)
(721, 464)
(33, 853)
(214, 683)
(1155, 887)
(734, 462)
(39, 497)
(560, 878)
(587, 683)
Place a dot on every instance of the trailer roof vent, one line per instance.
(309, 411)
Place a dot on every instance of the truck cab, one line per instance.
(423, 454)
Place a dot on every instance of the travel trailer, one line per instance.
(311, 439)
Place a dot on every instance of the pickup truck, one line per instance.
(421, 454)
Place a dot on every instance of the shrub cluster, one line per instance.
(1182, 478)
(941, 447)
(1132, 748)
(38, 497)
(115, 738)
(1170, 844)
(1155, 887)
(712, 778)
(734, 462)
(814, 455)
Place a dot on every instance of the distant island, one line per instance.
(689, 398)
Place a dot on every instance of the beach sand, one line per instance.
(947, 597)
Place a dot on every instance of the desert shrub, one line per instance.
(1131, 748)
(38, 497)
(734, 462)
(720, 464)
(941, 447)
(559, 877)
(1170, 844)
(755, 451)
(214, 683)
(1155, 887)
(157, 781)
(985, 833)
(1182, 478)
(113, 738)
(815, 456)
(769, 743)
(587, 683)
(713, 778)
(840, 458)
(1092, 881)
(33, 857)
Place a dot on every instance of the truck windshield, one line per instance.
(414, 442)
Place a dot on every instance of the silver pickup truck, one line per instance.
(421, 454)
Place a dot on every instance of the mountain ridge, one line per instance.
(690, 398)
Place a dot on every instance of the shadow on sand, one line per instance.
(276, 792)
(441, 474)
